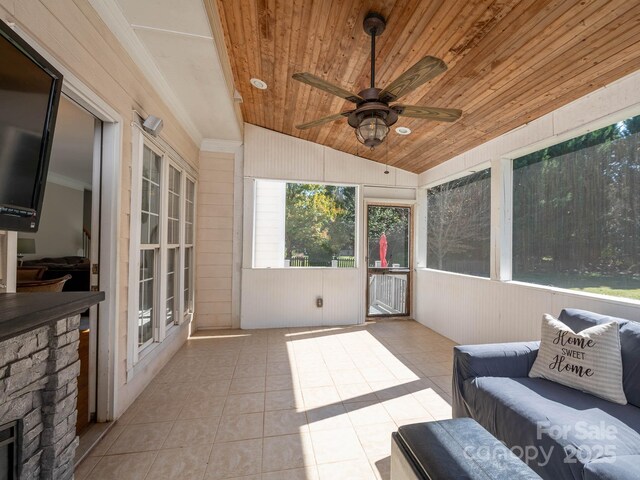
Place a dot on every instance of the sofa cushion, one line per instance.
(559, 430)
(589, 361)
(578, 320)
(624, 468)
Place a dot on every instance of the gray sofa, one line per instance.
(560, 432)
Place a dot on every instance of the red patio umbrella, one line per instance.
(383, 251)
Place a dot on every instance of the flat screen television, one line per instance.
(29, 94)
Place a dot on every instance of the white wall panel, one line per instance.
(474, 310)
(342, 167)
(270, 154)
(287, 297)
(269, 224)
(343, 296)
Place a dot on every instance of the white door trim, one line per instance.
(112, 123)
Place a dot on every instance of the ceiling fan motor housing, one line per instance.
(374, 24)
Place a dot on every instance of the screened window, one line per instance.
(304, 225)
(459, 225)
(576, 213)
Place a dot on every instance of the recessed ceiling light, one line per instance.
(403, 130)
(259, 84)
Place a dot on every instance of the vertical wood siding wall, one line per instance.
(75, 35)
(214, 240)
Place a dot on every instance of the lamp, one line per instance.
(371, 131)
(153, 125)
(26, 246)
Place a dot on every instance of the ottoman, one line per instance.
(453, 449)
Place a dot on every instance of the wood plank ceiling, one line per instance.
(510, 62)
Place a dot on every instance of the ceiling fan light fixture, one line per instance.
(372, 131)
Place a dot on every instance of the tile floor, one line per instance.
(281, 404)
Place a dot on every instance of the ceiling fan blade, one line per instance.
(323, 120)
(423, 71)
(327, 87)
(428, 113)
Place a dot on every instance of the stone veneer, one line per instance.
(39, 386)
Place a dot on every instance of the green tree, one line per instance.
(319, 221)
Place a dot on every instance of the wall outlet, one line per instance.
(319, 302)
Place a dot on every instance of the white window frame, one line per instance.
(161, 330)
(187, 314)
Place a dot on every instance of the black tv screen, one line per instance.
(29, 95)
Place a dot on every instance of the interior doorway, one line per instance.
(65, 250)
(389, 257)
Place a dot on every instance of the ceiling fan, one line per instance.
(373, 115)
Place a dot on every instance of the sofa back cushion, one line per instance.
(578, 320)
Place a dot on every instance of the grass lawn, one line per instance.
(627, 286)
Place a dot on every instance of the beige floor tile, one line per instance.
(350, 470)
(382, 468)
(376, 374)
(336, 445)
(252, 357)
(84, 469)
(445, 382)
(283, 400)
(235, 459)
(221, 360)
(217, 373)
(247, 385)
(308, 473)
(367, 413)
(187, 463)
(213, 388)
(283, 422)
(153, 412)
(376, 439)
(404, 408)
(356, 392)
(320, 396)
(387, 390)
(250, 370)
(105, 442)
(280, 382)
(330, 396)
(347, 377)
(191, 433)
(199, 406)
(240, 427)
(317, 378)
(286, 452)
(331, 417)
(140, 438)
(280, 368)
(131, 466)
(244, 403)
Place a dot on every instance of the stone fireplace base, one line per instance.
(38, 388)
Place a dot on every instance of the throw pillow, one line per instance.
(589, 361)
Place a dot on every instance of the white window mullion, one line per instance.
(179, 295)
(501, 215)
(134, 247)
(160, 326)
